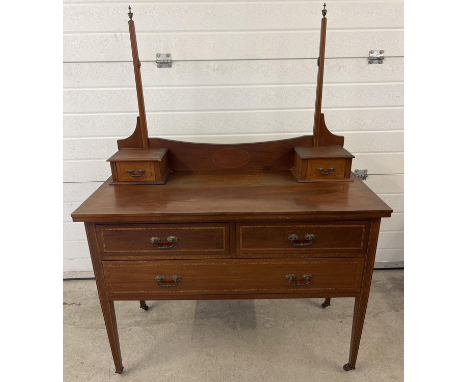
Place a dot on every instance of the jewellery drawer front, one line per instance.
(303, 239)
(326, 168)
(139, 241)
(136, 172)
(232, 276)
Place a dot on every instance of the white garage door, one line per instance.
(242, 72)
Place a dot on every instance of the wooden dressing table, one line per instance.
(230, 222)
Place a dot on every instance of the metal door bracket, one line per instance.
(361, 174)
(376, 57)
(164, 60)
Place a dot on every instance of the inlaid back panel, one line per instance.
(186, 156)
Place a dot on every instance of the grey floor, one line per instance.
(237, 340)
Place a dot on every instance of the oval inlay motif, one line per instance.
(231, 158)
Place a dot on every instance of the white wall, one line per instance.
(243, 72)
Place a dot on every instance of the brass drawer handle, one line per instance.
(131, 173)
(156, 241)
(167, 284)
(330, 170)
(306, 277)
(309, 237)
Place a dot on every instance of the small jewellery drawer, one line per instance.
(326, 168)
(232, 276)
(136, 172)
(163, 240)
(343, 239)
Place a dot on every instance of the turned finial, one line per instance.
(130, 14)
(324, 11)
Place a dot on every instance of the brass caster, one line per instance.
(347, 367)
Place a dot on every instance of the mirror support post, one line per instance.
(138, 83)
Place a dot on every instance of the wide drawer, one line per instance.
(163, 240)
(343, 239)
(232, 276)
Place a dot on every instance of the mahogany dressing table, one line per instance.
(188, 221)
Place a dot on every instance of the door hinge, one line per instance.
(361, 174)
(376, 57)
(164, 60)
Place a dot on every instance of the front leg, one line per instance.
(360, 305)
(111, 326)
(360, 302)
(107, 305)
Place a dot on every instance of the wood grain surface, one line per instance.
(220, 193)
(132, 241)
(232, 276)
(329, 237)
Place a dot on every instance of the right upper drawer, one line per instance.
(303, 239)
(326, 168)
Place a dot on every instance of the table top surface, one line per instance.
(225, 193)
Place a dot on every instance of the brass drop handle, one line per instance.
(329, 172)
(168, 284)
(156, 241)
(306, 277)
(131, 173)
(308, 237)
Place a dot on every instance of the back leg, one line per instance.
(326, 302)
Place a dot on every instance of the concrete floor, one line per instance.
(237, 340)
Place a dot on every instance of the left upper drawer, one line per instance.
(139, 166)
(164, 241)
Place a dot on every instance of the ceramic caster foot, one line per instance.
(144, 307)
(347, 367)
(119, 372)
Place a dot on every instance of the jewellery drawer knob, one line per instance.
(168, 284)
(156, 241)
(309, 238)
(329, 172)
(292, 277)
(132, 173)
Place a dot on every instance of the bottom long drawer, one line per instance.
(232, 276)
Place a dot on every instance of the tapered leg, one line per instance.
(326, 302)
(107, 305)
(360, 302)
(360, 306)
(143, 305)
(111, 325)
